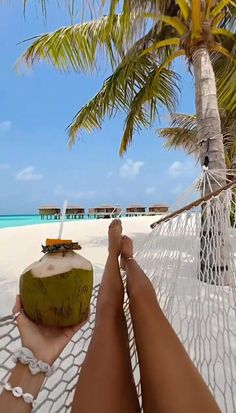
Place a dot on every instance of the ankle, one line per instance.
(113, 254)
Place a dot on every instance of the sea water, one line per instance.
(7, 221)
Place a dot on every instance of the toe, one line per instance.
(115, 224)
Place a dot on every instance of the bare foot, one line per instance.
(127, 250)
(114, 237)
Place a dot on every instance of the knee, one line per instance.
(109, 309)
(139, 293)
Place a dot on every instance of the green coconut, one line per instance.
(56, 291)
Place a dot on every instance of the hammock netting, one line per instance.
(190, 257)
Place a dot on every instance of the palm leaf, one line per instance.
(120, 93)
(185, 8)
(182, 134)
(196, 18)
(209, 5)
(79, 46)
(223, 32)
(174, 41)
(161, 87)
(220, 6)
(224, 65)
(116, 93)
(174, 22)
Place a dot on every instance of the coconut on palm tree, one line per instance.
(141, 43)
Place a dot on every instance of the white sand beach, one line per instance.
(21, 246)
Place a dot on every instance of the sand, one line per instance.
(21, 246)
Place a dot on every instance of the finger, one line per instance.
(17, 305)
(21, 318)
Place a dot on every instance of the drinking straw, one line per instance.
(62, 220)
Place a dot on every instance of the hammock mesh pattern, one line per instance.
(190, 260)
(58, 391)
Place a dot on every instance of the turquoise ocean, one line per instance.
(7, 221)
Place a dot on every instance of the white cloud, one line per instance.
(130, 169)
(28, 174)
(5, 125)
(68, 194)
(4, 166)
(177, 168)
(150, 190)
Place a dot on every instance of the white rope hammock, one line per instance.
(190, 257)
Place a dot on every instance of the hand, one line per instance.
(45, 342)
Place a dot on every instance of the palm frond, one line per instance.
(220, 6)
(120, 92)
(78, 47)
(182, 134)
(224, 66)
(117, 93)
(185, 8)
(152, 6)
(161, 88)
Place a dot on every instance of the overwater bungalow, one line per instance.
(50, 212)
(158, 209)
(135, 210)
(74, 212)
(105, 211)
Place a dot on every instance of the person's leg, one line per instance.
(170, 382)
(106, 383)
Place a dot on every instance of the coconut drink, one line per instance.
(57, 289)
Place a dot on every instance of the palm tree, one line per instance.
(141, 43)
(182, 134)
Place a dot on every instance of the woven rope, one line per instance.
(190, 260)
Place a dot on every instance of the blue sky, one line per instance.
(36, 166)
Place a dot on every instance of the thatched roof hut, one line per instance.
(159, 209)
(136, 209)
(49, 211)
(105, 208)
(104, 211)
(74, 210)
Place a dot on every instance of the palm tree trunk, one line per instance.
(210, 137)
(210, 140)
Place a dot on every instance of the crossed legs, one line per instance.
(170, 382)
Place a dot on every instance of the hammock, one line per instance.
(190, 257)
